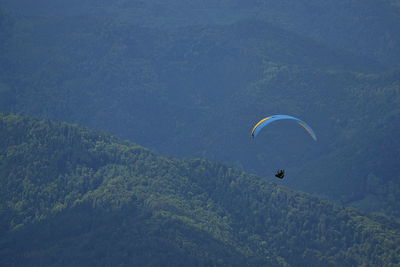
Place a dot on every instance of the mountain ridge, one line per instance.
(88, 188)
(142, 83)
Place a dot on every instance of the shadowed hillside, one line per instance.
(190, 79)
(74, 197)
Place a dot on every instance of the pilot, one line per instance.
(280, 174)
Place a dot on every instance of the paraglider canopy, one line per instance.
(264, 122)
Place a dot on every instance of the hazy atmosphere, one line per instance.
(132, 133)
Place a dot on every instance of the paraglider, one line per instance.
(264, 122)
(280, 174)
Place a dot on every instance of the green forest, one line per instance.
(189, 88)
(125, 133)
(71, 196)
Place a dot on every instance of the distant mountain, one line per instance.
(368, 28)
(190, 79)
(74, 197)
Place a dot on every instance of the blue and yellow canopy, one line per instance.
(262, 123)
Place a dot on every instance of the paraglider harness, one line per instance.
(280, 174)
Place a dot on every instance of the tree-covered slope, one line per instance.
(369, 28)
(74, 197)
(190, 79)
(356, 117)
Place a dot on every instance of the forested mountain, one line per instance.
(368, 27)
(74, 197)
(190, 79)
